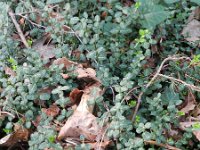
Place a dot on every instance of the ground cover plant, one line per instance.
(99, 74)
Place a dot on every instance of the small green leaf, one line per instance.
(132, 103)
(196, 126)
(54, 1)
(74, 20)
(171, 1)
(30, 42)
(196, 1)
(7, 131)
(153, 14)
(45, 96)
(146, 136)
(137, 5)
(52, 139)
(181, 113)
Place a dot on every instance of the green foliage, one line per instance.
(196, 1)
(44, 137)
(195, 60)
(152, 13)
(118, 41)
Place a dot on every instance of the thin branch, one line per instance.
(192, 78)
(113, 93)
(12, 15)
(33, 23)
(133, 89)
(7, 113)
(77, 36)
(193, 87)
(169, 147)
(170, 58)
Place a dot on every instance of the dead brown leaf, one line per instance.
(191, 31)
(20, 134)
(65, 76)
(185, 125)
(67, 63)
(22, 21)
(80, 123)
(76, 53)
(9, 71)
(16, 37)
(87, 74)
(99, 145)
(166, 146)
(90, 93)
(83, 122)
(46, 51)
(36, 122)
(75, 95)
(195, 14)
(104, 14)
(196, 112)
(189, 103)
(52, 111)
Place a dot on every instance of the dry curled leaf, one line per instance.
(84, 73)
(52, 111)
(83, 122)
(80, 123)
(90, 94)
(87, 74)
(67, 63)
(75, 95)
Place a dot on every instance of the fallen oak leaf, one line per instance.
(80, 123)
(83, 122)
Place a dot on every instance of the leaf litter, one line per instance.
(82, 122)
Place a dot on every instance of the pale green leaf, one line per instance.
(152, 14)
(54, 1)
(196, 1)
